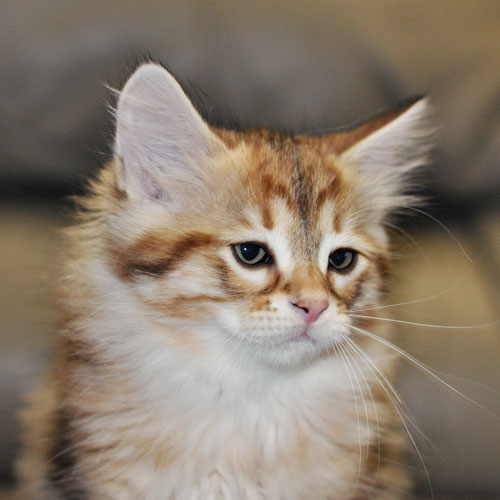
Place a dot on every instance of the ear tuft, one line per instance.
(160, 137)
(386, 158)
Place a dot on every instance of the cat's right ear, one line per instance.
(161, 141)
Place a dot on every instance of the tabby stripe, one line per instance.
(152, 256)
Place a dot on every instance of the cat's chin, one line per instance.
(293, 352)
(295, 347)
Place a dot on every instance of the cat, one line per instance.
(208, 348)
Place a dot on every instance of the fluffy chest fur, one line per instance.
(261, 437)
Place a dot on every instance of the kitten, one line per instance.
(208, 350)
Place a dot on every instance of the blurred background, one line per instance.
(302, 67)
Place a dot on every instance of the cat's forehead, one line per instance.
(291, 188)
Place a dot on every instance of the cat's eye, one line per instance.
(342, 259)
(251, 253)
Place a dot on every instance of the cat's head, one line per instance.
(252, 242)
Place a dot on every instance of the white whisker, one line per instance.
(443, 226)
(367, 386)
(348, 359)
(400, 414)
(427, 325)
(342, 354)
(423, 368)
(401, 405)
(424, 299)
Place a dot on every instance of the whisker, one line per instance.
(367, 386)
(426, 325)
(348, 359)
(443, 226)
(341, 353)
(403, 235)
(423, 367)
(424, 299)
(420, 457)
(400, 414)
(325, 130)
(402, 405)
(434, 219)
(409, 238)
(384, 378)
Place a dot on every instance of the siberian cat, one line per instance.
(208, 349)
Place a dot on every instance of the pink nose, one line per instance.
(310, 308)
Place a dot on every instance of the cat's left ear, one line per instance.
(386, 151)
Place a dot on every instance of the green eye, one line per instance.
(251, 253)
(342, 259)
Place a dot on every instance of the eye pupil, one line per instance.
(250, 251)
(342, 259)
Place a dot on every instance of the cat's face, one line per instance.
(273, 262)
(300, 262)
(253, 243)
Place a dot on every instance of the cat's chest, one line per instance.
(253, 452)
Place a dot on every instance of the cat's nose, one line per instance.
(310, 308)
